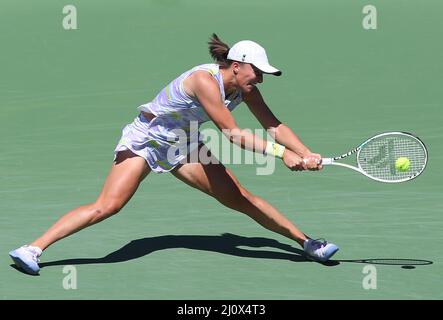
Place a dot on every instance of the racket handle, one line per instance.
(306, 161)
(327, 161)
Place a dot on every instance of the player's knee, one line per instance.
(246, 198)
(245, 195)
(106, 209)
(112, 207)
(237, 198)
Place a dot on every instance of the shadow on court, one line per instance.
(227, 244)
(404, 263)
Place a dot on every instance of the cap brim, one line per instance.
(268, 69)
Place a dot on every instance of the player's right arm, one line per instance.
(205, 89)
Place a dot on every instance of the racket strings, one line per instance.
(377, 157)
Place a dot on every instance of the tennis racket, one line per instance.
(376, 157)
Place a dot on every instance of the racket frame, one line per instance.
(332, 161)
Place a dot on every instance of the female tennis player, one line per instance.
(206, 92)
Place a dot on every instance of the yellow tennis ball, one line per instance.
(402, 164)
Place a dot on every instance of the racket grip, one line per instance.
(327, 161)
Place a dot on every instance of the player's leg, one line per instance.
(219, 182)
(127, 171)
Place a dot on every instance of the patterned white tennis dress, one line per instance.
(166, 140)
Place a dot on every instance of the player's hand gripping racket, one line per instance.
(377, 157)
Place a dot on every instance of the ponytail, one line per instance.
(219, 51)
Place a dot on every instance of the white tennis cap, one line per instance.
(251, 52)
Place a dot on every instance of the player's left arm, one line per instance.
(279, 131)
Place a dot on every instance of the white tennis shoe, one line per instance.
(27, 258)
(319, 250)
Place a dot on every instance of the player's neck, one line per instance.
(228, 81)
